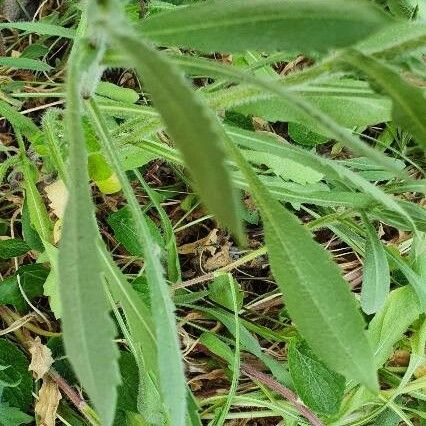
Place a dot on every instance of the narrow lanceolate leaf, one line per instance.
(303, 25)
(88, 329)
(316, 296)
(409, 102)
(25, 64)
(376, 276)
(191, 125)
(169, 360)
(37, 210)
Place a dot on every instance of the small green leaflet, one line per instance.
(32, 278)
(267, 25)
(124, 229)
(12, 416)
(392, 321)
(285, 167)
(376, 275)
(409, 102)
(20, 122)
(37, 210)
(415, 280)
(13, 247)
(316, 296)
(194, 129)
(24, 64)
(40, 28)
(15, 379)
(319, 387)
(88, 329)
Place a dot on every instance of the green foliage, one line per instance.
(343, 81)
(191, 125)
(31, 281)
(265, 24)
(319, 387)
(316, 296)
(12, 416)
(124, 229)
(15, 379)
(376, 276)
(88, 330)
(13, 247)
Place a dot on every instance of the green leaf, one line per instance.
(217, 346)
(40, 28)
(25, 64)
(32, 278)
(13, 247)
(51, 285)
(220, 292)
(285, 167)
(376, 275)
(37, 210)
(170, 366)
(21, 122)
(140, 336)
(319, 387)
(12, 416)
(267, 25)
(117, 93)
(88, 330)
(127, 397)
(415, 280)
(316, 296)
(173, 264)
(29, 233)
(348, 102)
(15, 379)
(249, 343)
(193, 128)
(409, 102)
(304, 136)
(124, 229)
(392, 321)
(331, 169)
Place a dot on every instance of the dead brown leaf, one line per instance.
(219, 259)
(48, 401)
(57, 194)
(209, 243)
(41, 358)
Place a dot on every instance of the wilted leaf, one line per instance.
(48, 402)
(41, 358)
(58, 195)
